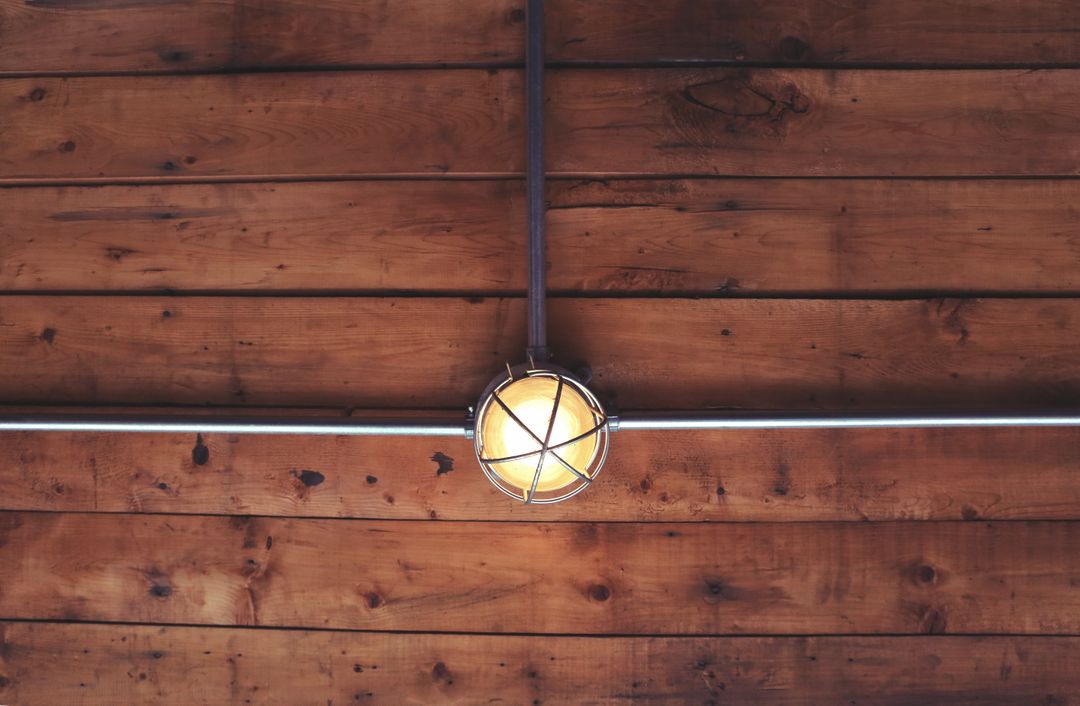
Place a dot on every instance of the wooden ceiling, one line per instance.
(317, 206)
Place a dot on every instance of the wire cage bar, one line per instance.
(542, 446)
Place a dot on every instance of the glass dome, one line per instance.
(541, 436)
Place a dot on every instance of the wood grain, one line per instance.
(578, 578)
(200, 35)
(1006, 474)
(98, 664)
(839, 32)
(745, 122)
(701, 237)
(137, 35)
(814, 123)
(416, 353)
(447, 236)
(700, 564)
(246, 125)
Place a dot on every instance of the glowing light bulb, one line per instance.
(544, 422)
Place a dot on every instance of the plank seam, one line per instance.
(852, 295)
(518, 65)
(649, 522)
(546, 635)
(42, 182)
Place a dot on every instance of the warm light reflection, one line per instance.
(532, 400)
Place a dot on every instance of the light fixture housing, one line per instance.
(540, 435)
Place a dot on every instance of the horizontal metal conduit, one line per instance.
(360, 426)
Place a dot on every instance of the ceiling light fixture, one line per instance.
(540, 435)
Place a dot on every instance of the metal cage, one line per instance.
(566, 384)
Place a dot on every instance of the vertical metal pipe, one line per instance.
(534, 177)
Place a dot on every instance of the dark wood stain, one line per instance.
(200, 454)
(445, 463)
(310, 478)
(135, 213)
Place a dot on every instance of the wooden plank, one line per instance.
(669, 476)
(763, 122)
(699, 237)
(237, 125)
(200, 35)
(447, 236)
(439, 353)
(562, 578)
(814, 123)
(104, 35)
(839, 32)
(107, 664)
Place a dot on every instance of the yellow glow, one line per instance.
(531, 400)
